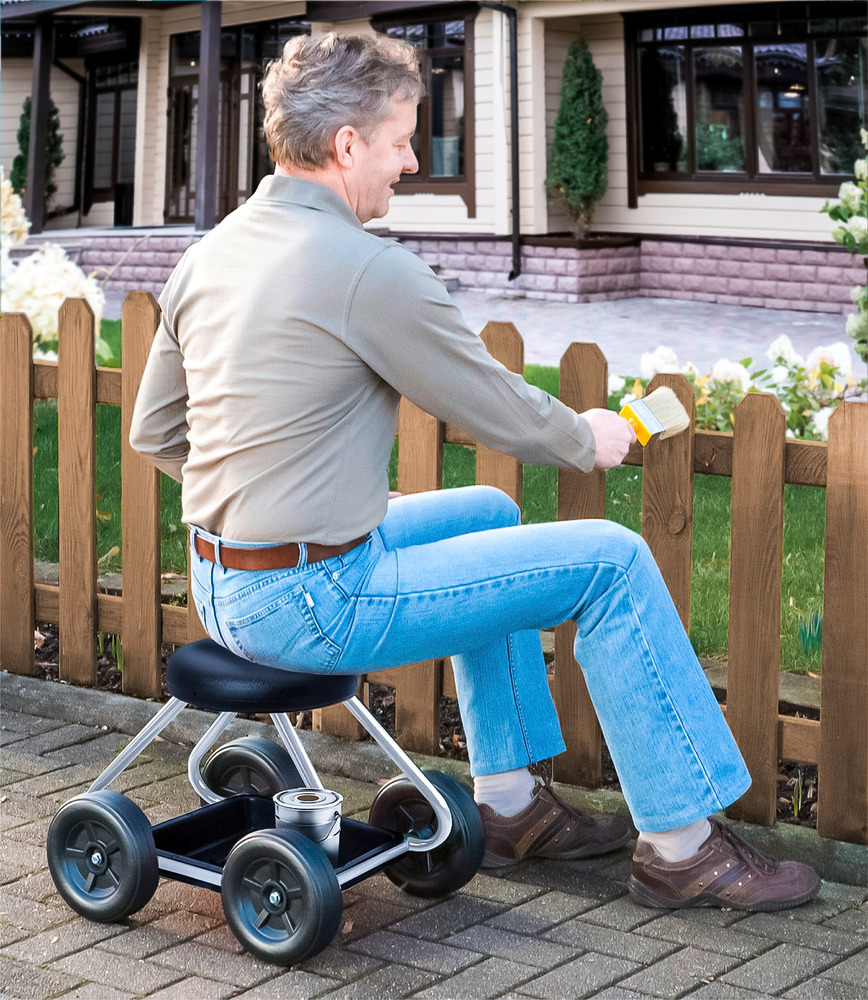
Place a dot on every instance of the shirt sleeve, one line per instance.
(159, 425)
(402, 323)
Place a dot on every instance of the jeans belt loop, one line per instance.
(217, 553)
(302, 555)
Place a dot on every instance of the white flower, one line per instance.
(782, 348)
(860, 169)
(863, 135)
(837, 355)
(850, 197)
(858, 227)
(662, 359)
(730, 371)
(690, 369)
(820, 421)
(857, 325)
(779, 374)
(628, 398)
(39, 285)
(616, 384)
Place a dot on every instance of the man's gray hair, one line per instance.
(321, 84)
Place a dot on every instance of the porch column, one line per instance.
(209, 102)
(34, 195)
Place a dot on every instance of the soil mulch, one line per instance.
(797, 783)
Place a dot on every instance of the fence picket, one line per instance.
(140, 513)
(756, 569)
(583, 384)
(17, 599)
(843, 769)
(417, 685)
(495, 468)
(76, 473)
(667, 498)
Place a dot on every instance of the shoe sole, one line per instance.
(642, 895)
(591, 851)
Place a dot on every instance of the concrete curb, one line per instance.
(834, 860)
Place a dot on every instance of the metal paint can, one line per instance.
(315, 812)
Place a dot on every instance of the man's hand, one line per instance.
(613, 436)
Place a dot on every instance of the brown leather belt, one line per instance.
(273, 557)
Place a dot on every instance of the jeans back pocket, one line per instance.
(285, 633)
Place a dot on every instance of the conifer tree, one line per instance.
(54, 154)
(578, 161)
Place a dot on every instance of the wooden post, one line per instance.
(207, 115)
(17, 594)
(843, 769)
(195, 628)
(584, 384)
(34, 194)
(756, 568)
(667, 499)
(494, 468)
(76, 473)
(140, 514)
(418, 685)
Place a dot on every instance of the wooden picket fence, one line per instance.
(757, 456)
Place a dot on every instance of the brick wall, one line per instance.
(810, 280)
(817, 280)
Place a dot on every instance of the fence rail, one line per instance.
(758, 458)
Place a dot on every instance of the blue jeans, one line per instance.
(454, 573)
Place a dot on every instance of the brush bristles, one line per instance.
(664, 404)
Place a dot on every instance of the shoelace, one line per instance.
(747, 853)
(580, 817)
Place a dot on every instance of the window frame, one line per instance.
(94, 194)
(423, 183)
(749, 181)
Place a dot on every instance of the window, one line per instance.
(443, 142)
(768, 98)
(112, 129)
(242, 152)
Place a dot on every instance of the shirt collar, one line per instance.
(294, 191)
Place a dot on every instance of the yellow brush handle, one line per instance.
(642, 433)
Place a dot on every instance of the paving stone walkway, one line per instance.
(542, 929)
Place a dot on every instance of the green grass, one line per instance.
(803, 524)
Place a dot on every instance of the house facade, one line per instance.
(730, 124)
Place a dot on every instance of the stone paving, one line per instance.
(541, 929)
(699, 332)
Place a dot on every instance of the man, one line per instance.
(289, 334)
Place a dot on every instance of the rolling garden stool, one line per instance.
(280, 890)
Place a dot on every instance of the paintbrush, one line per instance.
(658, 413)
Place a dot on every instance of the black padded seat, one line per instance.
(206, 675)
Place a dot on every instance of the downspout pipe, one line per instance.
(512, 15)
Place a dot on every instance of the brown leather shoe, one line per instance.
(725, 871)
(549, 828)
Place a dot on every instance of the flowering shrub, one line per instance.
(38, 285)
(851, 211)
(808, 390)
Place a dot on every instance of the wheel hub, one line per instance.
(97, 858)
(274, 897)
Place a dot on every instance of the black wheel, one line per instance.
(281, 896)
(102, 857)
(400, 807)
(250, 766)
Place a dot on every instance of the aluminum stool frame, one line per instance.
(290, 739)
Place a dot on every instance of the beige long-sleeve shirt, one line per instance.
(288, 336)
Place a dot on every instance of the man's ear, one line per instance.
(345, 141)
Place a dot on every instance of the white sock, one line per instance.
(681, 843)
(507, 793)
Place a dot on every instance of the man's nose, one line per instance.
(411, 164)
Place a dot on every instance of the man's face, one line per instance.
(382, 161)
